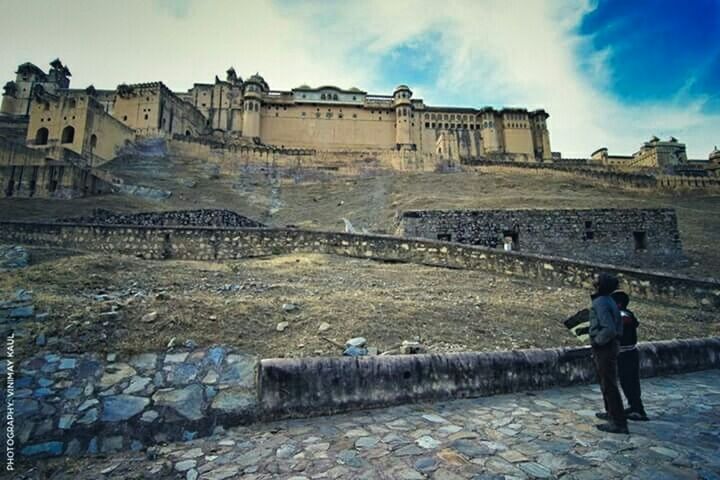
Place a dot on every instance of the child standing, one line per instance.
(629, 359)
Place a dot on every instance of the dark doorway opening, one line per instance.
(640, 241)
(41, 137)
(68, 135)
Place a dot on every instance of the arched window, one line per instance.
(47, 106)
(335, 97)
(187, 133)
(93, 141)
(41, 137)
(322, 96)
(72, 103)
(68, 135)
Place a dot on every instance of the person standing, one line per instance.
(605, 332)
(629, 359)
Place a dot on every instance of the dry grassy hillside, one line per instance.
(319, 201)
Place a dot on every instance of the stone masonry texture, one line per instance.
(548, 434)
(207, 243)
(199, 218)
(633, 237)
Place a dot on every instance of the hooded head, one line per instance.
(621, 298)
(606, 284)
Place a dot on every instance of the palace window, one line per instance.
(41, 137)
(68, 135)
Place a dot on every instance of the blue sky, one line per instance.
(610, 73)
(660, 48)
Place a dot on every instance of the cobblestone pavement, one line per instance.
(548, 434)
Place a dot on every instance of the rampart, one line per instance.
(231, 157)
(643, 181)
(207, 243)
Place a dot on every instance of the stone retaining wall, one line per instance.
(217, 217)
(77, 404)
(320, 386)
(207, 243)
(83, 404)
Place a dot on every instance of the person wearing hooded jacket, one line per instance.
(605, 332)
(629, 359)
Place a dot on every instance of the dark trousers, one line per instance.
(629, 373)
(606, 365)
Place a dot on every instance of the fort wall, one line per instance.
(206, 243)
(28, 172)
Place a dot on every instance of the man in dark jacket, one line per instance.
(605, 332)
(629, 359)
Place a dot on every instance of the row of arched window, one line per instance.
(67, 136)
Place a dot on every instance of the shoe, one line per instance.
(612, 428)
(637, 416)
(602, 415)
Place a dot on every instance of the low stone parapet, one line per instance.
(86, 404)
(320, 386)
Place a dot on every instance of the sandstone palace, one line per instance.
(95, 123)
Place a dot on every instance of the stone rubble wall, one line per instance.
(78, 404)
(208, 243)
(199, 218)
(83, 404)
(597, 235)
(322, 386)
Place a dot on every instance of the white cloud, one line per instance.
(521, 53)
(495, 52)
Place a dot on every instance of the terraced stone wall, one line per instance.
(206, 243)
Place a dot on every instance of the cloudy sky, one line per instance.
(610, 72)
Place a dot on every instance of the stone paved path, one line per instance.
(548, 434)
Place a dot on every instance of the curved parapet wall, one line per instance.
(208, 243)
(70, 404)
(320, 386)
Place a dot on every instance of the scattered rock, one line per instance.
(289, 307)
(12, 257)
(324, 327)
(150, 317)
(353, 351)
(281, 326)
(356, 342)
